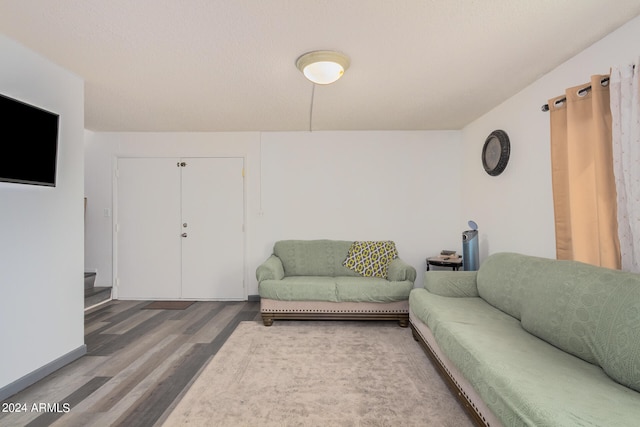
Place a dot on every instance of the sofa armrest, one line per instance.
(451, 283)
(400, 271)
(271, 269)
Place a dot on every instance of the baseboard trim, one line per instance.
(35, 376)
(90, 309)
(253, 298)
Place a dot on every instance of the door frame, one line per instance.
(115, 208)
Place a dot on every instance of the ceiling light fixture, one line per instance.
(323, 67)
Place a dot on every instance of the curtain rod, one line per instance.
(545, 107)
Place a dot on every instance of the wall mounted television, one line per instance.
(28, 143)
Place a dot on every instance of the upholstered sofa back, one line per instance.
(313, 257)
(590, 312)
(503, 278)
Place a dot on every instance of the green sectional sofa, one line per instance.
(334, 279)
(528, 341)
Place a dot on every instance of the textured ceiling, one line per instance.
(229, 65)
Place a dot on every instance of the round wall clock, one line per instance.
(495, 153)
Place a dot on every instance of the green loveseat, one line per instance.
(308, 279)
(528, 341)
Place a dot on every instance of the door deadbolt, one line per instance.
(184, 225)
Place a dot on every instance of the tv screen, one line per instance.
(28, 143)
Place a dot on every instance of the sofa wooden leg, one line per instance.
(403, 323)
(268, 321)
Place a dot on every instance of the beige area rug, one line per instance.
(319, 373)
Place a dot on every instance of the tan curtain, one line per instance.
(584, 193)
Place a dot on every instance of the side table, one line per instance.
(445, 261)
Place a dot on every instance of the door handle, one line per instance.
(184, 234)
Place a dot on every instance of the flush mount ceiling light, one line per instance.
(323, 66)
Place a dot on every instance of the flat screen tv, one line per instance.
(28, 143)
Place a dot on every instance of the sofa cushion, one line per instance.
(313, 257)
(590, 312)
(300, 288)
(504, 277)
(371, 259)
(371, 289)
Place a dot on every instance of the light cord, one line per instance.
(313, 92)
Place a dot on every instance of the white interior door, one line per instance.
(180, 229)
(213, 220)
(148, 228)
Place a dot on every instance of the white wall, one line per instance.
(41, 249)
(403, 186)
(514, 211)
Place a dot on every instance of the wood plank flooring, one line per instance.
(139, 362)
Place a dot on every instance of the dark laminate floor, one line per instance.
(138, 364)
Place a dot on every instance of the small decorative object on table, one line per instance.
(446, 259)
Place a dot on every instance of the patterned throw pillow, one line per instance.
(371, 259)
